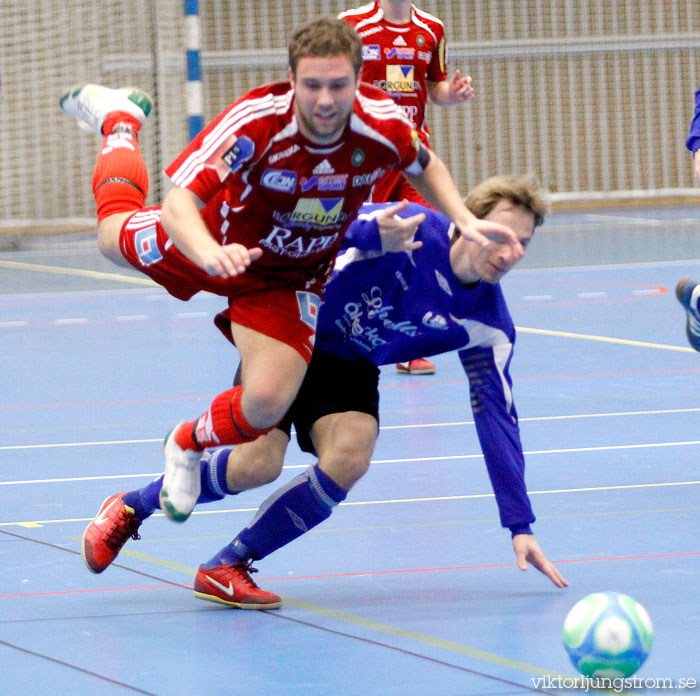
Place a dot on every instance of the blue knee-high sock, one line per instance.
(212, 471)
(288, 513)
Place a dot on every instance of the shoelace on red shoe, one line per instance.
(243, 569)
(125, 526)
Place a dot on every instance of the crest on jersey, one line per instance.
(399, 78)
(358, 157)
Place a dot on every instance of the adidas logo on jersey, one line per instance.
(324, 168)
(400, 41)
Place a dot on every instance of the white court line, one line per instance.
(626, 219)
(133, 317)
(191, 315)
(71, 321)
(575, 416)
(568, 450)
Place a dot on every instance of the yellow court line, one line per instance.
(604, 339)
(469, 651)
(491, 495)
(147, 281)
(483, 655)
(473, 496)
(532, 419)
(178, 567)
(100, 275)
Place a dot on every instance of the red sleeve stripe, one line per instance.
(239, 116)
(142, 218)
(356, 11)
(382, 108)
(427, 16)
(373, 19)
(359, 126)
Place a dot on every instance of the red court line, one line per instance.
(370, 572)
(429, 381)
(116, 402)
(487, 565)
(98, 589)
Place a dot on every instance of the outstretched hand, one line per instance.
(460, 88)
(483, 232)
(396, 232)
(229, 260)
(527, 550)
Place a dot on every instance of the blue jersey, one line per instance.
(394, 307)
(693, 141)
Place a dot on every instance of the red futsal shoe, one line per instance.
(108, 532)
(421, 366)
(232, 585)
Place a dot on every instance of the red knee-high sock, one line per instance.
(223, 424)
(120, 179)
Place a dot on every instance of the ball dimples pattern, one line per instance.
(608, 635)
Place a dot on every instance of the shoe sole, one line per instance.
(169, 510)
(236, 605)
(137, 97)
(415, 372)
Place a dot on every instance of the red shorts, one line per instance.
(287, 314)
(265, 304)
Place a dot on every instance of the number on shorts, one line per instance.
(146, 243)
(309, 304)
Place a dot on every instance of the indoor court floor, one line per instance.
(410, 587)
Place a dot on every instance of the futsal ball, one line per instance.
(608, 635)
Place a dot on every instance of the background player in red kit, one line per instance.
(405, 54)
(261, 200)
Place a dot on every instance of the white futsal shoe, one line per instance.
(181, 481)
(91, 104)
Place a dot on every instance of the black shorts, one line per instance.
(331, 385)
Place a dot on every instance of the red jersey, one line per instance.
(263, 184)
(401, 58)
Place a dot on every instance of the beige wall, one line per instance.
(595, 96)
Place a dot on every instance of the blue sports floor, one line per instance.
(410, 588)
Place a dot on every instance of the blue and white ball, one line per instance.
(608, 635)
